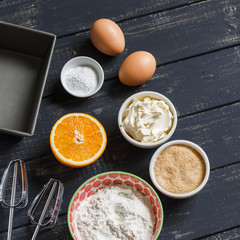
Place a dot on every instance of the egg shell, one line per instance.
(137, 68)
(107, 37)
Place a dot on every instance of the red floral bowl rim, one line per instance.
(115, 172)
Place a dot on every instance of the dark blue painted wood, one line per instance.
(196, 48)
(65, 17)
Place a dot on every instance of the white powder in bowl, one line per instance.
(81, 80)
(116, 212)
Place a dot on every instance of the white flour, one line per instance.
(117, 212)
(81, 80)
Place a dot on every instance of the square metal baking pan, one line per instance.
(25, 56)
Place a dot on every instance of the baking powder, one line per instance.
(117, 212)
(81, 80)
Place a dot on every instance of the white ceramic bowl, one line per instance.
(83, 61)
(142, 95)
(186, 143)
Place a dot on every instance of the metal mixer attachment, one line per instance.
(45, 208)
(10, 194)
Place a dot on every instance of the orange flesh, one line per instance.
(78, 138)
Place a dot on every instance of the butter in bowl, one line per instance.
(147, 119)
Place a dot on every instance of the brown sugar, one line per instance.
(179, 169)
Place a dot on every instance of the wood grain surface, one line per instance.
(197, 48)
(66, 17)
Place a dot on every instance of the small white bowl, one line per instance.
(186, 143)
(142, 95)
(82, 61)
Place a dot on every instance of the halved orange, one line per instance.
(77, 139)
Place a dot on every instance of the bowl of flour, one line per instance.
(115, 206)
(82, 76)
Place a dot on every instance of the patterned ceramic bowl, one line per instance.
(97, 182)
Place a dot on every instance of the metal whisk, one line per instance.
(54, 188)
(11, 203)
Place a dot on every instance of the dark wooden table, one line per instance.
(197, 48)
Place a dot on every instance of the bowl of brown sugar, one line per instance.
(179, 169)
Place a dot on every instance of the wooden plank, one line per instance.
(226, 235)
(65, 17)
(55, 233)
(170, 36)
(184, 219)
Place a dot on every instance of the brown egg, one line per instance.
(107, 37)
(137, 68)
